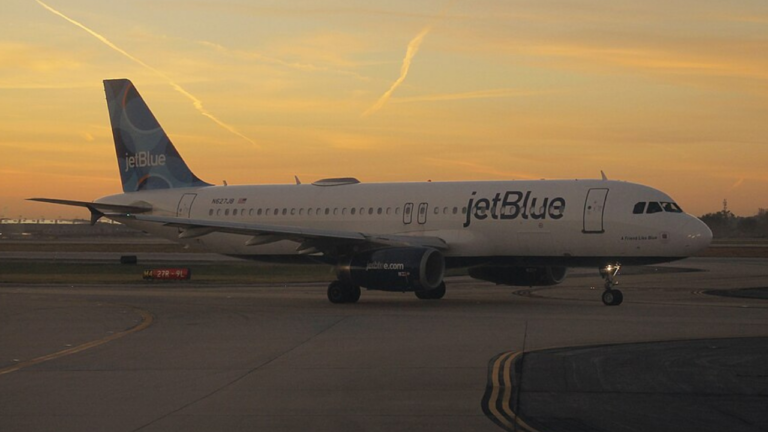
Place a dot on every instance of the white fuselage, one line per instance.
(564, 222)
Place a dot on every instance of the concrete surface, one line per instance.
(282, 358)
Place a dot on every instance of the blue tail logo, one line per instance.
(146, 157)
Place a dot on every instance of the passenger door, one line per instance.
(594, 209)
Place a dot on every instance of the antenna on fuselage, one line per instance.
(603, 175)
(298, 182)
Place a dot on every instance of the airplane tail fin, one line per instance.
(145, 155)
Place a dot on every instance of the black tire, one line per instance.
(336, 293)
(612, 297)
(439, 292)
(433, 294)
(353, 294)
(422, 295)
(618, 297)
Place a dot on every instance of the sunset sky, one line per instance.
(672, 94)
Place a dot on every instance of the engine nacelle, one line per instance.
(395, 269)
(520, 276)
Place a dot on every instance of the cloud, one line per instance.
(738, 183)
(197, 103)
(478, 94)
(35, 58)
(307, 67)
(413, 48)
(477, 168)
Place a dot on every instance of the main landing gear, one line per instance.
(611, 297)
(340, 292)
(344, 292)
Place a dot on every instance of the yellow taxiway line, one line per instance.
(146, 321)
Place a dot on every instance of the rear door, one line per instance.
(594, 210)
(184, 208)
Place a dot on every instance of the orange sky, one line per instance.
(669, 94)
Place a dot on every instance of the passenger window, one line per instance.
(379, 211)
(370, 211)
(653, 207)
(671, 207)
(344, 211)
(250, 212)
(210, 212)
(463, 210)
(397, 210)
(309, 211)
(226, 212)
(285, 211)
(389, 210)
(352, 210)
(362, 210)
(327, 211)
(335, 211)
(437, 210)
(455, 210)
(301, 211)
(234, 212)
(293, 212)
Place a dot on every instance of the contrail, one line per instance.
(413, 48)
(195, 101)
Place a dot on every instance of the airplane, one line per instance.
(393, 236)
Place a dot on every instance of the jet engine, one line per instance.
(520, 276)
(395, 269)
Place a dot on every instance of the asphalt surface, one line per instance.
(180, 356)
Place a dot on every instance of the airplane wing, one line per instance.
(97, 209)
(311, 239)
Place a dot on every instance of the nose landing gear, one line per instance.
(611, 297)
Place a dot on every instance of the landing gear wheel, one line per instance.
(612, 297)
(353, 294)
(339, 292)
(433, 294)
(336, 293)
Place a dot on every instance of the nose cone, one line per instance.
(698, 236)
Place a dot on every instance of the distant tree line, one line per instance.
(725, 224)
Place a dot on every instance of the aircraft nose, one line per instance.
(698, 235)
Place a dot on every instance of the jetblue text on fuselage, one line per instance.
(143, 159)
(514, 204)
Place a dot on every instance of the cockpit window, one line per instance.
(639, 208)
(654, 207)
(671, 207)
